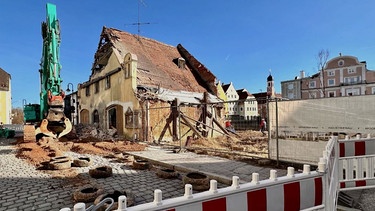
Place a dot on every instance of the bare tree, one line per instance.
(17, 116)
(322, 58)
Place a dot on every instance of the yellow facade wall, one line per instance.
(120, 94)
(5, 106)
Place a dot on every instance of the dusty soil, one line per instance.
(250, 141)
(39, 153)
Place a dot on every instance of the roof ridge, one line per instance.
(141, 37)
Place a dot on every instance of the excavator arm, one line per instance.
(52, 120)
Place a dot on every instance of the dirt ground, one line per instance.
(39, 153)
(249, 141)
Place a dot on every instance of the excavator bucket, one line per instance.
(43, 128)
(68, 128)
(61, 130)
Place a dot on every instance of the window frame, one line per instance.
(95, 117)
(87, 90)
(97, 87)
(107, 82)
(331, 73)
(310, 84)
(333, 80)
(351, 70)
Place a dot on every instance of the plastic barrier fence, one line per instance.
(291, 192)
(357, 163)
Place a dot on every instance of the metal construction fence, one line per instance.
(299, 129)
(317, 119)
(15, 127)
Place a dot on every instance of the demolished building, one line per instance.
(149, 90)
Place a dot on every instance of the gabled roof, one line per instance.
(4, 80)
(157, 66)
(243, 94)
(225, 87)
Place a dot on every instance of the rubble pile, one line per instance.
(93, 133)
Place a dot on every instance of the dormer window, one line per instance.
(181, 63)
(340, 63)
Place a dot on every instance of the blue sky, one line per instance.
(239, 41)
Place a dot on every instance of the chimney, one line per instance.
(302, 74)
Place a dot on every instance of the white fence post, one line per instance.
(157, 197)
(236, 182)
(122, 203)
(79, 207)
(290, 172)
(255, 178)
(306, 169)
(188, 191)
(273, 175)
(213, 186)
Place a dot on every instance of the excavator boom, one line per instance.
(52, 120)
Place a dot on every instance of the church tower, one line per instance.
(270, 87)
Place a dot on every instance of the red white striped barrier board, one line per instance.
(358, 183)
(290, 196)
(356, 161)
(350, 148)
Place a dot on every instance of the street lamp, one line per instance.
(68, 90)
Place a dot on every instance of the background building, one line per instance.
(5, 98)
(247, 105)
(341, 76)
(232, 97)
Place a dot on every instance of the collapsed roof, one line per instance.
(159, 65)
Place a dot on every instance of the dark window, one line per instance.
(97, 87)
(95, 116)
(87, 90)
(107, 82)
(112, 118)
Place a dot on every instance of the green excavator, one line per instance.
(48, 118)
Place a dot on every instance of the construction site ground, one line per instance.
(26, 183)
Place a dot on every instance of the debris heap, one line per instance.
(90, 132)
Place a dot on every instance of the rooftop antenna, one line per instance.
(139, 23)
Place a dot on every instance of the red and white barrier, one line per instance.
(291, 192)
(356, 147)
(357, 163)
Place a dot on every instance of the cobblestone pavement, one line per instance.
(22, 187)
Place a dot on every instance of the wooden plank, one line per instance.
(191, 126)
